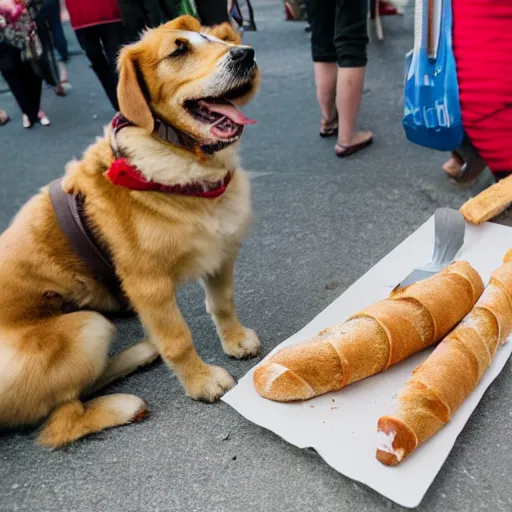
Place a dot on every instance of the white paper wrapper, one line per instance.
(342, 426)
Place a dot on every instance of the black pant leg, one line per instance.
(13, 80)
(25, 86)
(90, 42)
(33, 87)
(90, 39)
(321, 15)
(112, 36)
(351, 34)
(133, 17)
(212, 12)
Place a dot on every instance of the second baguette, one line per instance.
(440, 384)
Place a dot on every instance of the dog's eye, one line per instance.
(182, 47)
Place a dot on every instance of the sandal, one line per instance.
(452, 167)
(469, 172)
(471, 164)
(347, 150)
(4, 118)
(328, 128)
(59, 90)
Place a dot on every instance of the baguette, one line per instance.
(438, 386)
(489, 203)
(372, 340)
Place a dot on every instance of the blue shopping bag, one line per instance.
(432, 115)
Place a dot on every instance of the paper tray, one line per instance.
(341, 426)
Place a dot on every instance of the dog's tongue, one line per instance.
(228, 110)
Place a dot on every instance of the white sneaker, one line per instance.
(43, 119)
(26, 121)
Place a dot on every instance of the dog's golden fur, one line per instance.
(50, 358)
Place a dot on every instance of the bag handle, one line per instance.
(431, 19)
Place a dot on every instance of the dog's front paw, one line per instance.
(210, 385)
(246, 345)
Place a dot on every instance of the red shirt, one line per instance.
(482, 44)
(85, 13)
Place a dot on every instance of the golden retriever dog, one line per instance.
(179, 92)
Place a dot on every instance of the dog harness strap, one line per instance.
(69, 211)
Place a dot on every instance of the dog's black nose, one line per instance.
(242, 55)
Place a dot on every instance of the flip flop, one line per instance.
(472, 164)
(331, 128)
(353, 148)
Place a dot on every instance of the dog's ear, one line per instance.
(227, 33)
(132, 102)
(185, 22)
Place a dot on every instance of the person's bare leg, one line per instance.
(348, 97)
(325, 80)
(64, 76)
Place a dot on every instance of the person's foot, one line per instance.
(453, 167)
(66, 86)
(43, 119)
(4, 118)
(64, 77)
(59, 90)
(63, 72)
(329, 128)
(359, 141)
(27, 123)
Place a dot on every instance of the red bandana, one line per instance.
(125, 175)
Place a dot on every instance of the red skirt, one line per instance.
(482, 43)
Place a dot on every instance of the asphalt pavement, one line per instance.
(320, 223)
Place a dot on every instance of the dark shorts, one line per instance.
(339, 31)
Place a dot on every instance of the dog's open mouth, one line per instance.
(226, 119)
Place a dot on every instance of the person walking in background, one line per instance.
(46, 18)
(100, 33)
(338, 41)
(16, 28)
(52, 11)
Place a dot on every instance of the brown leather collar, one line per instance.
(167, 133)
